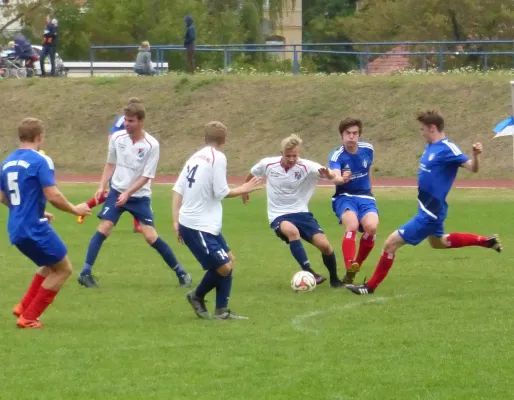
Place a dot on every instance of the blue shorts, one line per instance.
(139, 207)
(304, 222)
(360, 206)
(419, 228)
(210, 250)
(44, 251)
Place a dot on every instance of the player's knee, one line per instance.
(391, 244)
(225, 270)
(149, 233)
(105, 228)
(370, 229)
(438, 242)
(290, 231)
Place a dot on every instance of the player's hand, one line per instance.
(99, 193)
(246, 198)
(325, 173)
(477, 149)
(252, 185)
(122, 200)
(49, 216)
(82, 210)
(179, 236)
(347, 174)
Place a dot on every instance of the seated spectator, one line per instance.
(143, 65)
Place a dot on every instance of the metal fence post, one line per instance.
(225, 60)
(486, 62)
(440, 56)
(424, 64)
(91, 59)
(367, 60)
(296, 68)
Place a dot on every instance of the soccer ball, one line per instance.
(303, 281)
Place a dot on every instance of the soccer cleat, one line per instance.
(28, 324)
(360, 290)
(81, 219)
(198, 305)
(351, 273)
(137, 230)
(17, 310)
(319, 278)
(185, 280)
(337, 284)
(225, 313)
(87, 281)
(494, 243)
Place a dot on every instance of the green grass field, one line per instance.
(439, 327)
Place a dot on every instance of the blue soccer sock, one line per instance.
(167, 254)
(210, 281)
(299, 254)
(223, 291)
(92, 252)
(331, 264)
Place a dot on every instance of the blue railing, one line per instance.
(363, 51)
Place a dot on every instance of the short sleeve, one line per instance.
(453, 155)
(313, 168)
(111, 155)
(151, 163)
(334, 160)
(220, 184)
(259, 169)
(180, 184)
(46, 173)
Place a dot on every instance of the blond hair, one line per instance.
(291, 142)
(215, 132)
(135, 100)
(135, 110)
(30, 129)
(145, 45)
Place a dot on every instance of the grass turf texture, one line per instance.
(437, 328)
(259, 112)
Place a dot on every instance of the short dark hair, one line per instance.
(431, 117)
(347, 122)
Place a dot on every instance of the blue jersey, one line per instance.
(24, 174)
(438, 168)
(119, 125)
(359, 164)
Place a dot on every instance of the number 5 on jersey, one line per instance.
(14, 189)
(191, 175)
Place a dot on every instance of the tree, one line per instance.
(28, 11)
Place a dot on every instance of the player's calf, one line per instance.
(457, 240)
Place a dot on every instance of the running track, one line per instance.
(377, 182)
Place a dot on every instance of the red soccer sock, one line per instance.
(348, 247)
(136, 224)
(32, 291)
(457, 240)
(93, 202)
(366, 244)
(382, 269)
(43, 299)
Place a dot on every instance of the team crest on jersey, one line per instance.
(431, 157)
(297, 175)
(140, 152)
(365, 163)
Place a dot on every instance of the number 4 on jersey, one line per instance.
(191, 175)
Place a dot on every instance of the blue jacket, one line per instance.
(190, 36)
(22, 47)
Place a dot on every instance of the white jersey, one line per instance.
(133, 160)
(203, 185)
(288, 191)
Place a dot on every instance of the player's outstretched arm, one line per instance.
(246, 196)
(57, 199)
(473, 164)
(248, 187)
(341, 179)
(176, 205)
